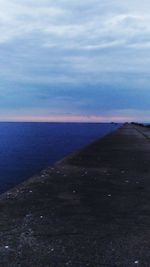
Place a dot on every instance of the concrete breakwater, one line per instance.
(91, 209)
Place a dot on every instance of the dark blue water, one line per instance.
(27, 148)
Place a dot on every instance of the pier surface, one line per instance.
(91, 209)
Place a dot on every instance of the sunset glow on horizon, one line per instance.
(73, 119)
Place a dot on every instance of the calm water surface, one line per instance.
(27, 148)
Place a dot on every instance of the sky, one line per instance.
(73, 60)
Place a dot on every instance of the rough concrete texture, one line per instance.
(91, 209)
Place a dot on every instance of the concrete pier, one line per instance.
(90, 209)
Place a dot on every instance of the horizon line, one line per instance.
(41, 121)
(68, 118)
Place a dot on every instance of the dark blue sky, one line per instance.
(74, 60)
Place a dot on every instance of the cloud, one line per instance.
(88, 57)
(88, 25)
(19, 19)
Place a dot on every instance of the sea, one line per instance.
(27, 148)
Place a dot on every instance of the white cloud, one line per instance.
(18, 19)
(75, 25)
(54, 43)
